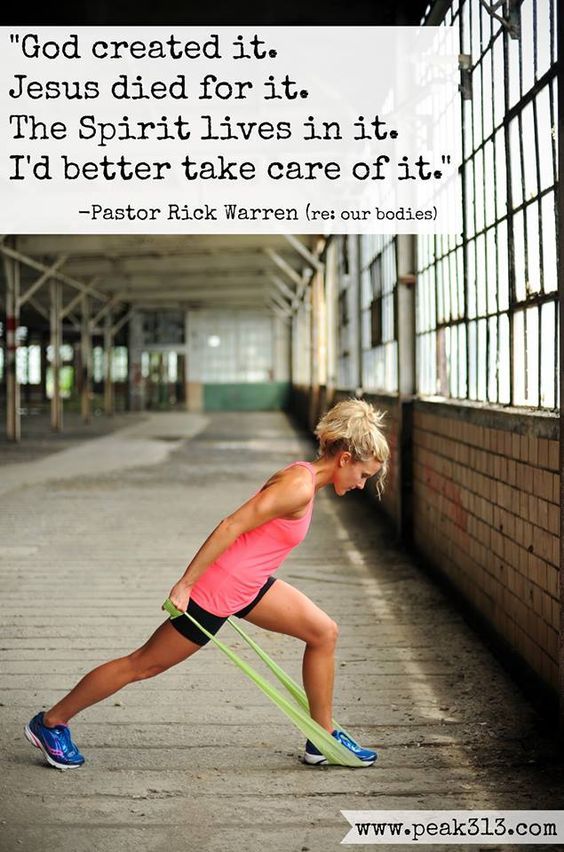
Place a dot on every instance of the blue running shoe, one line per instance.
(314, 757)
(55, 743)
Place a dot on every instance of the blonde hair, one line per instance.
(355, 426)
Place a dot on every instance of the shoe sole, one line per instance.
(319, 760)
(314, 759)
(30, 736)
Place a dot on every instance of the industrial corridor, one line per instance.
(94, 536)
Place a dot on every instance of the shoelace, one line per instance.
(68, 746)
(350, 743)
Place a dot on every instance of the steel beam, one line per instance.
(280, 301)
(276, 310)
(59, 276)
(39, 308)
(85, 360)
(285, 290)
(108, 308)
(42, 279)
(108, 351)
(121, 322)
(302, 250)
(284, 267)
(56, 327)
(13, 422)
(66, 311)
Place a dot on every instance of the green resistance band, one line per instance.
(334, 751)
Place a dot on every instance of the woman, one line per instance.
(231, 574)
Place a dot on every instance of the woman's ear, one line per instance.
(344, 458)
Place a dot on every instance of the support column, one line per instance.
(44, 366)
(13, 421)
(281, 350)
(136, 380)
(405, 308)
(331, 297)
(85, 360)
(355, 317)
(108, 352)
(318, 349)
(56, 325)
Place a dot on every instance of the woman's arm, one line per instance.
(288, 493)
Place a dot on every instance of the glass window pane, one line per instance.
(549, 243)
(34, 365)
(98, 364)
(482, 356)
(519, 256)
(145, 365)
(500, 174)
(529, 152)
(446, 288)
(476, 43)
(492, 359)
(543, 36)
(545, 140)
(466, 32)
(21, 365)
(468, 146)
(548, 365)
(554, 30)
(486, 26)
(453, 285)
(499, 76)
(471, 277)
(532, 354)
(477, 136)
(515, 162)
(439, 292)
(452, 363)
(490, 185)
(472, 360)
(533, 255)
(469, 192)
(463, 377)
(519, 397)
(479, 190)
(119, 364)
(513, 51)
(527, 44)
(491, 271)
(460, 278)
(502, 267)
(504, 387)
(481, 275)
(487, 89)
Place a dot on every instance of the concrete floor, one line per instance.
(95, 535)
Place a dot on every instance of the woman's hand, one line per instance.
(180, 595)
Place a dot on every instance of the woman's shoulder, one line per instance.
(300, 476)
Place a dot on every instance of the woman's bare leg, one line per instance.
(164, 649)
(285, 609)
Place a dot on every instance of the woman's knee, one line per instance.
(143, 666)
(325, 634)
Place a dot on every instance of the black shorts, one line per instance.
(208, 620)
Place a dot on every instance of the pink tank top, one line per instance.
(236, 577)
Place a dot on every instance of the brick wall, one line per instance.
(486, 497)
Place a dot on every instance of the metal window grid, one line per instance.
(487, 322)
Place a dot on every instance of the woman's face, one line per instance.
(351, 474)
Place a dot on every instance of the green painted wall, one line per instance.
(261, 396)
